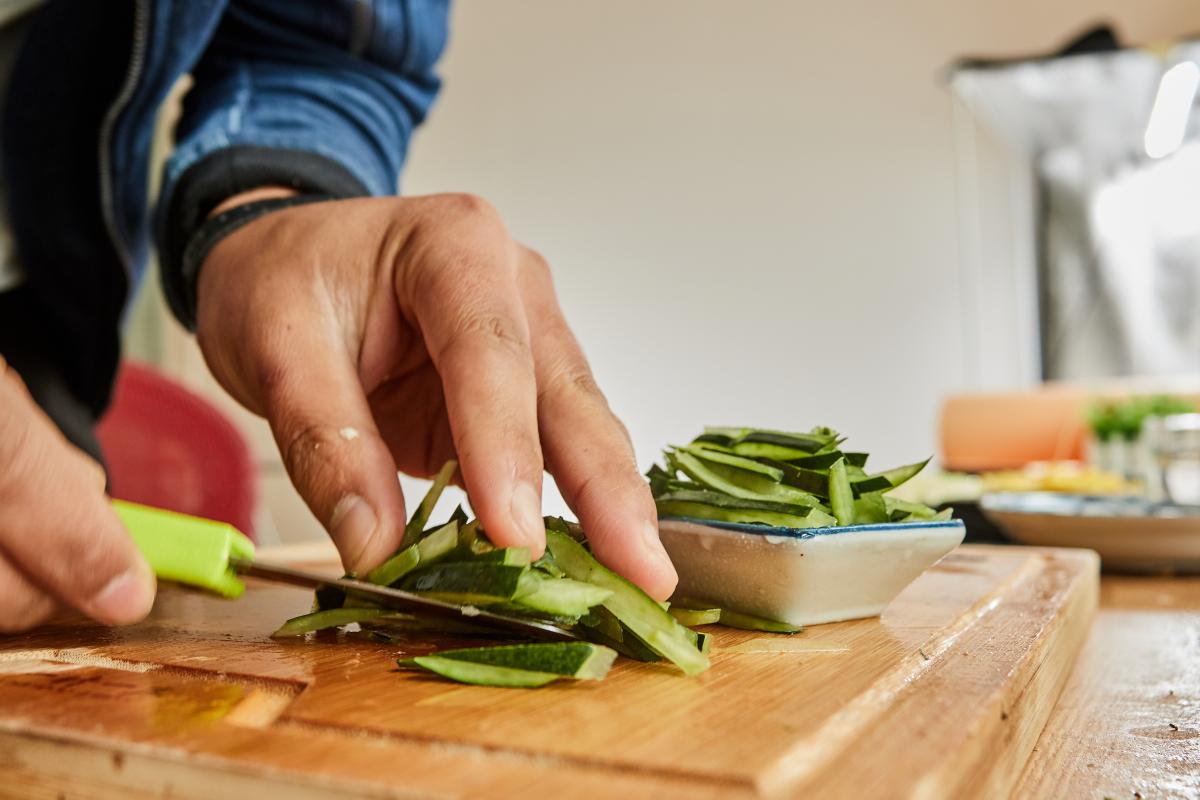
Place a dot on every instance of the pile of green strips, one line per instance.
(792, 480)
(567, 586)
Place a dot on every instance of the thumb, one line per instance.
(334, 454)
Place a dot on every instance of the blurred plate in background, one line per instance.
(1129, 533)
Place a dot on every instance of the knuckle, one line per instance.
(490, 331)
(573, 380)
(464, 205)
(536, 263)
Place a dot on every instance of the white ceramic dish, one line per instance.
(1129, 533)
(803, 576)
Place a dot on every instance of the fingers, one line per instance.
(587, 449)
(332, 449)
(59, 538)
(461, 287)
(25, 605)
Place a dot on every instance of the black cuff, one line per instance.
(208, 235)
(221, 175)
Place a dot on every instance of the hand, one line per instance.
(395, 333)
(60, 542)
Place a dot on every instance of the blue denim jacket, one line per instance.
(322, 95)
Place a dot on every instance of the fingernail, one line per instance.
(126, 598)
(526, 508)
(655, 552)
(352, 527)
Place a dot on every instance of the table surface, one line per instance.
(1128, 722)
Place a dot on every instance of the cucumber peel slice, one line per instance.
(629, 604)
(481, 674)
(333, 618)
(695, 616)
(420, 517)
(747, 622)
(579, 660)
(841, 496)
(468, 583)
(559, 596)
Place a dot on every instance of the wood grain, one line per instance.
(944, 695)
(1128, 722)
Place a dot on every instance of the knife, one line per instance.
(214, 555)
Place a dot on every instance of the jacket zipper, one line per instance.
(141, 16)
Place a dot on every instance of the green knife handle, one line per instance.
(187, 549)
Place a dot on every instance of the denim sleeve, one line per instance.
(320, 95)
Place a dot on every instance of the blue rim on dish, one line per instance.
(812, 533)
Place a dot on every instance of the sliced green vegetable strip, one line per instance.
(807, 444)
(439, 544)
(395, 567)
(870, 509)
(695, 616)
(815, 462)
(482, 674)
(559, 596)
(721, 508)
(420, 517)
(722, 476)
(916, 510)
(841, 496)
(856, 459)
(729, 459)
(333, 618)
(891, 478)
(478, 584)
(633, 607)
(734, 619)
(511, 556)
(580, 660)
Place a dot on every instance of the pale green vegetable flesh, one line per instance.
(696, 616)
(483, 674)
(579, 660)
(332, 618)
(735, 619)
(629, 604)
(412, 531)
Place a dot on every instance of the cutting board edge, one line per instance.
(1080, 598)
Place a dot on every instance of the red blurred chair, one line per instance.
(168, 447)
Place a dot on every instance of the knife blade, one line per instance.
(402, 601)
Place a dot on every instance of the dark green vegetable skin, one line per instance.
(455, 562)
(781, 479)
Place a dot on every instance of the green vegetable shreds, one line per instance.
(782, 479)
(455, 562)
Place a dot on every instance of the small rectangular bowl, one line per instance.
(803, 576)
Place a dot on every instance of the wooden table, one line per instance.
(1128, 722)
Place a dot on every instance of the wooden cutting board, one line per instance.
(944, 696)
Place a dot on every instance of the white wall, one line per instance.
(750, 207)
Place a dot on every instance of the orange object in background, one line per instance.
(1007, 430)
(168, 447)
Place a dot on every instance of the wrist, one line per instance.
(252, 196)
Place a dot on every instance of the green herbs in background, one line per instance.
(454, 561)
(792, 480)
(1123, 419)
